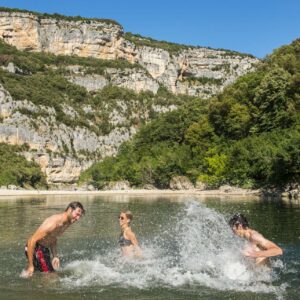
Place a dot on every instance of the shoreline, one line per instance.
(243, 193)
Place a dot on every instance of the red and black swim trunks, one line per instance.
(41, 258)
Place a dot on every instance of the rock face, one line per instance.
(117, 185)
(194, 71)
(181, 183)
(61, 151)
(90, 82)
(133, 79)
(136, 80)
(201, 186)
(98, 39)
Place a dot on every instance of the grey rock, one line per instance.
(117, 185)
(201, 186)
(90, 187)
(92, 82)
(134, 79)
(226, 188)
(149, 187)
(181, 183)
(86, 187)
(12, 187)
(11, 68)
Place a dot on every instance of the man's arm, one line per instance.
(55, 259)
(53, 248)
(270, 248)
(41, 232)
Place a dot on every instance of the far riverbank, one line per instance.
(7, 192)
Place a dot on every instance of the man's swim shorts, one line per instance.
(41, 258)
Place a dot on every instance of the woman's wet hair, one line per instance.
(74, 205)
(238, 219)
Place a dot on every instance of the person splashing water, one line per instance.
(259, 247)
(127, 240)
(42, 243)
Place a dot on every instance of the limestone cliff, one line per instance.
(182, 72)
(27, 31)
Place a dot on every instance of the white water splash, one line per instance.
(212, 253)
(200, 251)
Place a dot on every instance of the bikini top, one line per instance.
(124, 242)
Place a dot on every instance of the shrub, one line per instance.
(16, 170)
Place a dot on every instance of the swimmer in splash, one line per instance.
(259, 247)
(127, 240)
(44, 240)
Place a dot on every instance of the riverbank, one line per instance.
(7, 192)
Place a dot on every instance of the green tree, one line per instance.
(274, 108)
(215, 168)
(199, 135)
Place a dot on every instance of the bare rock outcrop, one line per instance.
(117, 185)
(92, 82)
(133, 79)
(181, 183)
(28, 31)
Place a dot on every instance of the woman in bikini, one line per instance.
(127, 240)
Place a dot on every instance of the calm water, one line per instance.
(189, 251)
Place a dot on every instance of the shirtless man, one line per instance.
(37, 247)
(259, 247)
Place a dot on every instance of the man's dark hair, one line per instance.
(238, 219)
(74, 205)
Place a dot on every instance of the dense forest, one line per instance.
(246, 136)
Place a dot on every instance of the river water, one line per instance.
(188, 250)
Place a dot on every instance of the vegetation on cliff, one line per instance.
(139, 40)
(249, 135)
(42, 79)
(58, 16)
(173, 48)
(16, 170)
(34, 62)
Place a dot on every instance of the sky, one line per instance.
(249, 26)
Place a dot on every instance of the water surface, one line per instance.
(188, 250)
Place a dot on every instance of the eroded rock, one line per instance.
(181, 183)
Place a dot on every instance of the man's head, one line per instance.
(238, 224)
(74, 211)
